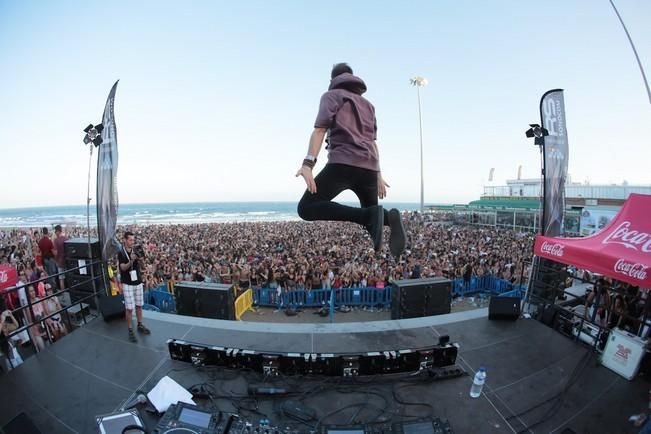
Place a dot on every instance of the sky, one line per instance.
(217, 100)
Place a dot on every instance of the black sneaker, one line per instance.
(376, 225)
(142, 329)
(132, 336)
(397, 239)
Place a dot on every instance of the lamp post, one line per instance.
(639, 64)
(419, 82)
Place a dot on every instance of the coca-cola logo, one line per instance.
(629, 238)
(554, 249)
(631, 269)
(4, 276)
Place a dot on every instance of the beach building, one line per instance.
(588, 208)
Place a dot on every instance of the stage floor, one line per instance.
(94, 370)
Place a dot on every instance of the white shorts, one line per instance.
(132, 296)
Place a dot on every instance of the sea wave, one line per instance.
(155, 214)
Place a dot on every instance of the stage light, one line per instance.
(538, 132)
(93, 134)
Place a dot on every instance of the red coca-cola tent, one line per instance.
(622, 250)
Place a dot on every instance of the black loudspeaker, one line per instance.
(205, 300)
(112, 307)
(414, 298)
(79, 248)
(549, 313)
(504, 308)
(548, 280)
(79, 282)
(78, 252)
(82, 267)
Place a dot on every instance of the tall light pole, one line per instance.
(419, 82)
(639, 64)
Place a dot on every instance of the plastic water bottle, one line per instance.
(478, 383)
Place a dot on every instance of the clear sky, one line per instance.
(217, 99)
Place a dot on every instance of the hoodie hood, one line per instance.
(348, 82)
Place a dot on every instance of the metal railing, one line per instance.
(27, 319)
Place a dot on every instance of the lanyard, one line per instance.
(128, 256)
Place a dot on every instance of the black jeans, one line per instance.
(332, 180)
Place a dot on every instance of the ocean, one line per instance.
(163, 213)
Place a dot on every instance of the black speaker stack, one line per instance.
(548, 281)
(79, 254)
(205, 300)
(414, 298)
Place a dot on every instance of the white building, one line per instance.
(517, 205)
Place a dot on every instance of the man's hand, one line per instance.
(306, 173)
(381, 186)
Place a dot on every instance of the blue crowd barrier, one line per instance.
(518, 291)
(373, 297)
(319, 297)
(150, 307)
(489, 284)
(162, 299)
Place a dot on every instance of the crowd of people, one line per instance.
(37, 259)
(303, 255)
(282, 255)
(285, 255)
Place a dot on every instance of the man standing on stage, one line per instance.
(132, 287)
(353, 162)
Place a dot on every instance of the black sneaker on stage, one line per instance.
(398, 238)
(142, 329)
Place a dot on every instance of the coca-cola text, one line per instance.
(629, 238)
(630, 269)
(555, 249)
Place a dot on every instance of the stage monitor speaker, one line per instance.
(414, 298)
(78, 248)
(504, 308)
(112, 307)
(205, 300)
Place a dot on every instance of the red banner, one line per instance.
(9, 278)
(622, 250)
